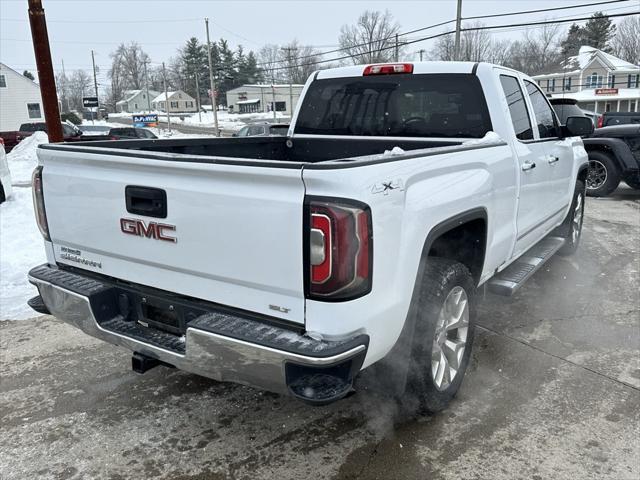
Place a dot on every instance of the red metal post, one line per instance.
(45, 70)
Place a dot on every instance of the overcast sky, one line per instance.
(161, 26)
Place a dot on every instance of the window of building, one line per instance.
(547, 126)
(188, 104)
(612, 81)
(280, 106)
(594, 80)
(3, 81)
(174, 104)
(517, 107)
(607, 107)
(135, 106)
(34, 110)
(551, 85)
(566, 83)
(632, 81)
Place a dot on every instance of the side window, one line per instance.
(517, 107)
(547, 125)
(243, 132)
(256, 130)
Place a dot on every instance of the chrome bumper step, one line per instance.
(515, 275)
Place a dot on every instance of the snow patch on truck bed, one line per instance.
(490, 138)
(21, 248)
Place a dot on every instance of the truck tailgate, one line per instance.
(237, 228)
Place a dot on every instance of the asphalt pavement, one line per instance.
(552, 392)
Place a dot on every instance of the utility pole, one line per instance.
(456, 51)
(95, 85)
(214, 103)
(397, 49)
(146, 86)
(421, 52)
(64, 86)
(166, 97)
(288, 50)
(46, 77)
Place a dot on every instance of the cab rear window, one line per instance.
(402, 105)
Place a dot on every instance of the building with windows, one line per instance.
(599, 82)
(20, 100)
(136, 101)
(174, 102)
(261, 98)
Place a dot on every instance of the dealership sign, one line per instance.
(89, 102)
(606, 91)
(150, 120)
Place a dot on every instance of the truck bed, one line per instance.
(301, 150)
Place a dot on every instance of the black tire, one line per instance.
(571, 228)
(603, 177)
(442, 278)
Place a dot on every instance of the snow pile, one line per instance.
(21, 248)
(393, 151)
(23, 159)
(230, 121)
(490, 138)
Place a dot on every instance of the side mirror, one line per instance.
(578, 127)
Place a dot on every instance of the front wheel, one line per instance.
(602, 177)
(443, 334)
(571, 228)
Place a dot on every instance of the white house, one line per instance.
(261, 98)
(179, 102)
(20, 100)
(599, 82)
(136, 100)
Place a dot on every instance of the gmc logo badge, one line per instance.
(155, 230)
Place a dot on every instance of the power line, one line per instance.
(468, 29)
(541, 10)
(339, 50)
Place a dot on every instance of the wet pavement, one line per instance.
(552, 392)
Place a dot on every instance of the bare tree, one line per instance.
(127, 68)
(269, 60)
(80, 84)
(476, 45)
(626, 43)
(371, 39)
(300, 61)
(538, 51)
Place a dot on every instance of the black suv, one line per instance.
(614, 152)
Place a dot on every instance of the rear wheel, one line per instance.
(443, 335)
(603, 177)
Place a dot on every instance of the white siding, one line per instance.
(14, 99)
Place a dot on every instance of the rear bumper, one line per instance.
(219, 344)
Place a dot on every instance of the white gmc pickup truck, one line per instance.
(292, 263)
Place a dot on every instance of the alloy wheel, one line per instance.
(450, 338)
(597, 174)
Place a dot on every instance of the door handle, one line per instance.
(528, 165)
(553, 159)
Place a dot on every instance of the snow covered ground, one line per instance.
(21, 248)
(226, 121)
(22, 159)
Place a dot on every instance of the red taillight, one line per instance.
(600, 121)
(388, 68)
(340, 249)
(38, 203)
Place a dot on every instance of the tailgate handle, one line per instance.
(147, 201)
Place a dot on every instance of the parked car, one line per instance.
(10, 139)
(126, 133)
(292, 263)
(263, 130)
(614, 155)
(618, 118)
(614, 152)
(5, 175)
(594, 116)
